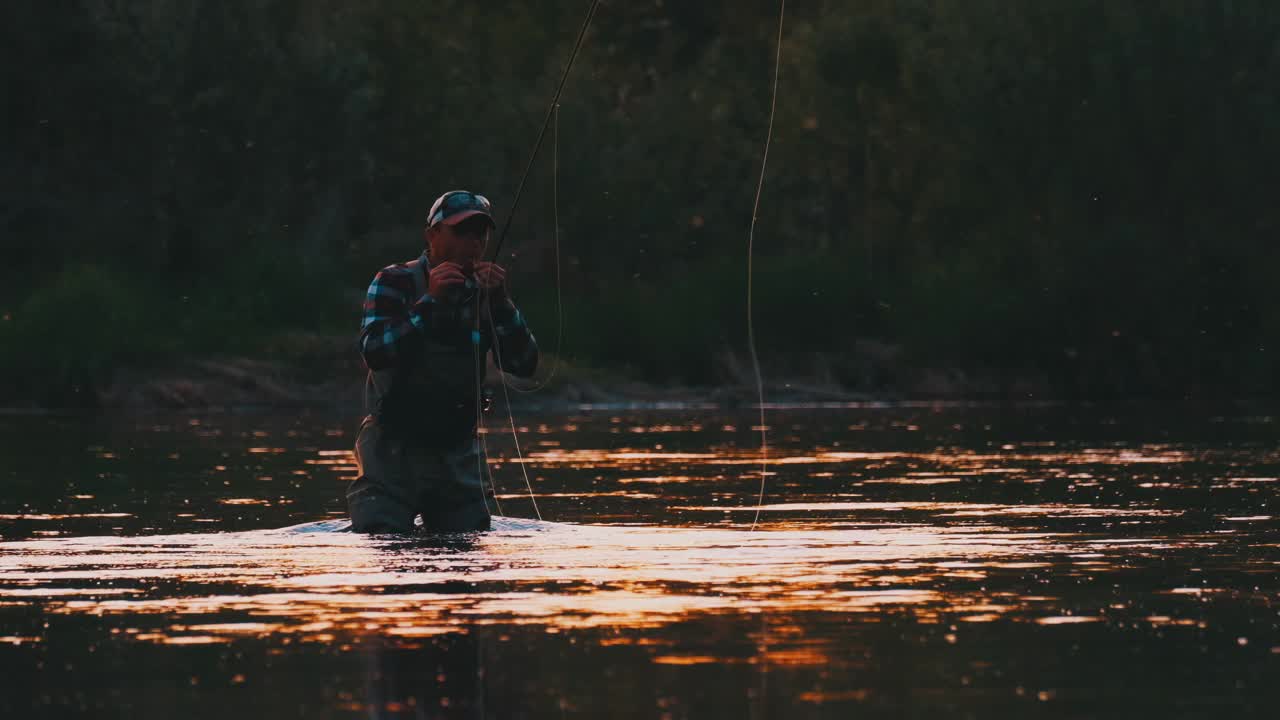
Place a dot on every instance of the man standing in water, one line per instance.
(427, 327)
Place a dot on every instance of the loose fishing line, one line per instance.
(515, 202)
(553, 116)
(751, 233)
(481, 299)
(515, 436)
(482, 459)
(484, 453)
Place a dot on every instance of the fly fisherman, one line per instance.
(428, 325)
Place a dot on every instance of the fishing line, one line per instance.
(751, 335)
(506, 226)
(493, 483)
(515, 436)
(751, 233)
(481, 299)
(482, 459)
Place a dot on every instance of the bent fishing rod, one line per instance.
(555, 101)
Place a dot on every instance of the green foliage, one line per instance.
(1076, 188)
(67, 336)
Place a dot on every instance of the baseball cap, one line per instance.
(455, 206)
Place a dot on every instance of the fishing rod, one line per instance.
(506, 226)
(577, 45)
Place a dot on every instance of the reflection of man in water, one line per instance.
(445, 677)
(427, 327)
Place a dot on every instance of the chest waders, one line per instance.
(430, 397)
(416, 452)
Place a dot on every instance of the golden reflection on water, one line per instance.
(947, 509)
(936, 561)
(621, 457)
(324, 585)
(62, 516)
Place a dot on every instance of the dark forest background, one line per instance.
(1080, 191)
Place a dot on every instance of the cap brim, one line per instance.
(459, 217)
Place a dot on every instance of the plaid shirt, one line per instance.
(394, 320)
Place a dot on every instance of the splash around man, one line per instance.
(428, 325)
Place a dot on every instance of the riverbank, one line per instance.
(324, 371)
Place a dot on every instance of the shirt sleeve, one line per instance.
(514, 348)
(393, 320)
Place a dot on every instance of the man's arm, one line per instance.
(514, 347)
(393, 320)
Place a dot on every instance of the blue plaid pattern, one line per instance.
(394, 320)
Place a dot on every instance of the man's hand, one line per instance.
(443, 278)
(492, 278)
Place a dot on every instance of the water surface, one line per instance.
(905, 560)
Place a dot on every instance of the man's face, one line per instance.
(463, 243)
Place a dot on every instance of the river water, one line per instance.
(907, 560)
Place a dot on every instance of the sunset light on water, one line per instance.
(656, 360)
(933, 546)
